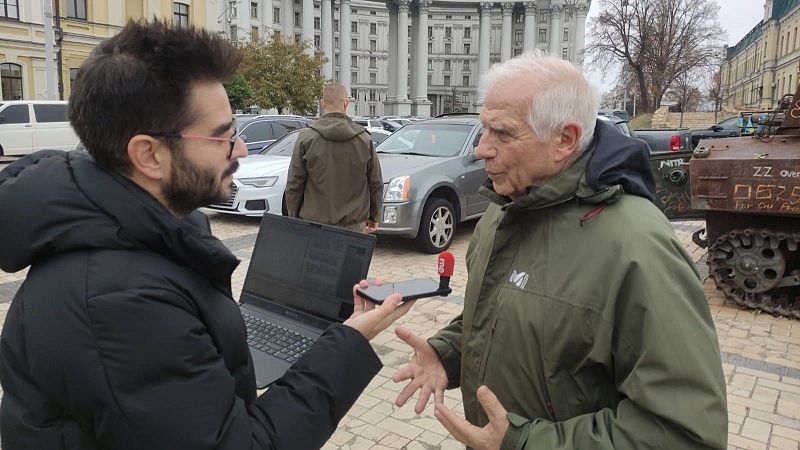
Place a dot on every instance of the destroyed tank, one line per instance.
(749, 190)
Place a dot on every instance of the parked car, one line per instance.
(615, 113)
(620, 124)
(727, 128)
(259, 131)
(378, 136)
(260, 182)
(431, 179)
(30, 125)
(665, 140)
(369, 124)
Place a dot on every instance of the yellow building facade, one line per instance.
(765, 65)
(80, 25)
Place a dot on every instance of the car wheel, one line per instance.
(437, 227)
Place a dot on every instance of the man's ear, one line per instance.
(148, 156)
(568, 142)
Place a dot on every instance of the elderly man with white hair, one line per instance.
(585, 325)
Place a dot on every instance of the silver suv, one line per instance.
(431, 179)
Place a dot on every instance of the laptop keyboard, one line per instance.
(275, 339)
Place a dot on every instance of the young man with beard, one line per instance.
(125, 334)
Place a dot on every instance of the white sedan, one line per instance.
(260, 182)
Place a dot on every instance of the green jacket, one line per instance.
(335, 176)
(586, 317)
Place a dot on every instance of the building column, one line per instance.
(529, 42)
(393, 9)
(326, 37)
(399, 105)
(555, 30)
(287, 9)
(505, 45)
(413, 50)
(580, 32)
(483, 48)
(422, 106)
(344, 44)
(308, 25)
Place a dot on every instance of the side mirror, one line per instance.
(2, 119)
(716, 128)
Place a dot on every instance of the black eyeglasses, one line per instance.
(175, 135)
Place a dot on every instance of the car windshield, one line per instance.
(282, 147)
(429, 139)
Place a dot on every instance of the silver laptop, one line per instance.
(300, 280)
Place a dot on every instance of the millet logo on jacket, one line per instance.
(520, 279)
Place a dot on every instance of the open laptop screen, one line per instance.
(308, 266)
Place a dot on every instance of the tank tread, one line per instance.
(778, 293)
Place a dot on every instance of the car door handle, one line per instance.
(29, 126)
(463, 177)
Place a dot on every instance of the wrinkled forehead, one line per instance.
(514, 99)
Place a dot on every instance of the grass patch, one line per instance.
(642, 121)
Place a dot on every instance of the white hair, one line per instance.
(560, 93)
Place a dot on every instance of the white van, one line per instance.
(30, 125)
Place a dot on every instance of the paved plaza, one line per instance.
(760, 353)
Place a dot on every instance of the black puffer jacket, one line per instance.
(125, 336)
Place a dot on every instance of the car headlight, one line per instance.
(260, 182)
(398, 189)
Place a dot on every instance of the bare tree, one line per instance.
(657, 40)
(685, 92)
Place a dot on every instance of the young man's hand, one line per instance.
(370, 319)
(372, 226)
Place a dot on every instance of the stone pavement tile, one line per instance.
(789, 409)
(757, 430)
(790, 433)
(781, 443)
(737, 441)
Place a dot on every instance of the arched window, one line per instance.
(11, 78)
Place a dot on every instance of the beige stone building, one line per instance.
(765, 64)
(80, 25)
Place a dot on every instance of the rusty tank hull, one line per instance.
(749, 189)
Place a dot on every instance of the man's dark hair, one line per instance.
(139, 81)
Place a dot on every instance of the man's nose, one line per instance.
(239, 149)
(485, 149)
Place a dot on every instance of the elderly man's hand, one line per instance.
(371, 320)
(487, 438)
(425, 372)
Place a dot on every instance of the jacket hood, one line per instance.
(614, 164)
(63, 202)
(337, 127)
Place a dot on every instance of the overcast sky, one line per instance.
(737, 17)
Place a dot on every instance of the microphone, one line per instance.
(444, 266)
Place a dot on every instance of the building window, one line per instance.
(371, 110)
(317, 23)
(234, 34)
(430, 48)
(448, 48)
(430, 32)
(520, 18)
(373, 28)
(448, 32)
(373, 45)
(430, 65)
(76, 9)
(354, 43)
(448, 17)
(298, 19)
(466, 49)
(564, 53)
(518, 37)
(352, 10)
(336, 60)
(276, 16)
(517, 52)
(467, 33)
(9, 9)
(373, 62)
(233, 9)
(354, 61)
(336, 23)
(253, 10)
(73, 74)
(429, 79)
(446, 64)
(373, 78)
(354, 93)
(542, 35)
(373, 13)
(11, 77)
(180, 14)
(336, 43)
(298, 37)
(353, 77)
(254, 33)
(543, 17)
(465, 66)
(372, 94)
(467, 17)
(465, 80)
(447, 80)
(316, 41)
(566, 35)
(354, 27)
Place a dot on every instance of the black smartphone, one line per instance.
(409, 290)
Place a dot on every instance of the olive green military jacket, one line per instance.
(586, 317)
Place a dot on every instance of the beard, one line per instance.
(191, 187)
